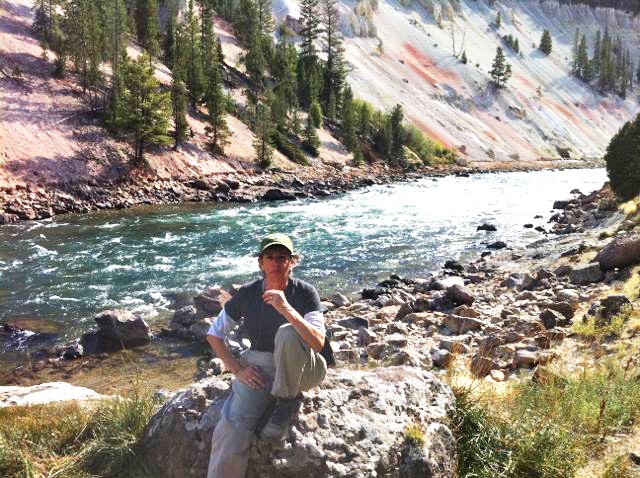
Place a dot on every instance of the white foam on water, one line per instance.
(115, 240)
(166, 239)
(118, 267)
(42, 251)
(63, 299)
(108, 225)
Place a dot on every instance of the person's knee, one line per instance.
(287, 335)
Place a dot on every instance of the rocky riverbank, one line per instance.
(33, 202)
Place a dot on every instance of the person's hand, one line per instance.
(251, 376)
(276, 299)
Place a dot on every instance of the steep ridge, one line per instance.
(452, 102)
(48, 137)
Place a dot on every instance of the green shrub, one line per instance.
(413, 435)
(426, 149)
(286, 147)
(623, 160)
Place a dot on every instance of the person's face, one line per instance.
(276, 261)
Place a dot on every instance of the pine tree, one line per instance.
(283, 69)
(309, 74)
(348, 120)
(116, 26)
(383, 137)
(623, 160)
(169, 39)
(397, 134)
(595, 61)
(546, 45)
(193, 55)
(500, 70)
(146, 116)
(179, 95)
(364, 120)
(215, 100)
(574, 51)
(255, 65)
(335, 67)
(498, 21)
(582, 61)
(315, 113)
(464, 59)
(147, 19)
(311, 141)
(262, 144)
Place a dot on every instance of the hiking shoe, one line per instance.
(283, 412)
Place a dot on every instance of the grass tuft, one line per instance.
(414, 436)
(72, 440)
(545, 430)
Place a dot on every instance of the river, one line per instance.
(57, 274)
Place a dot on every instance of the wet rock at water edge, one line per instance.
(497, 245)
(210, 302)
(453, 265)
(487, 227)
(117, 329)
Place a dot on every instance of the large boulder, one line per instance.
(621, 252)
(353, 425)
(586, 274)
(45, 393)
(460, 295)
(117, 329)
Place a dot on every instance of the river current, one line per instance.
(64, 270)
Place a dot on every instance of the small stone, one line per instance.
(460, 295)
(340, 300)
(481, 366)
(441, 358)
(497, 375)
(460, 325)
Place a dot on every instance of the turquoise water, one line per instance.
(66, 269)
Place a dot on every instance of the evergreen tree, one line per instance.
(397, 134)
(582, 60)
(574, 51)
(500, 70)
(193, 55)
(383, 137)
(309, 75)
(595, 61)
(283, 70)
(255, 65)
(464, 57)
(364, 120)
(147, 20)
(169, 39)
(262, 144)
(498, 21)
(116, 25)
(311, 141)
(335, 68)
(623, 160)
(215, 100)
(315, 113)
(246, 22)
(146, 116)
(348, 120)
(546, 45)
(179, 95)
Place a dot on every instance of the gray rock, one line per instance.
(586, 274)
(445, 283)
(199, 329)
(340, 300)
(117, 329)
(466, 311)
(366, 336)
(497, 245)
(185, 316)
(529, 358)
(460, 325)
(519, 281)
(353, 323)
(210, 302)
(396, 340)
(351, 426)
(551, 318)
(72, 352)
(441, 358)
(568, 295)
(460, 295)
(44, 393)
(619, 253)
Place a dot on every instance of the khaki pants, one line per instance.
(292, 368)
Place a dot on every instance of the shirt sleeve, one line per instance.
(313, 311)
(222, 326)
(316, 320)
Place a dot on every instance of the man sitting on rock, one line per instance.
(284, 322)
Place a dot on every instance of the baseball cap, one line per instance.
(276, 239)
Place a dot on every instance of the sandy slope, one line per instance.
(450, 101)
(48, 137)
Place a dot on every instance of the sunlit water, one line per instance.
(63, 271)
